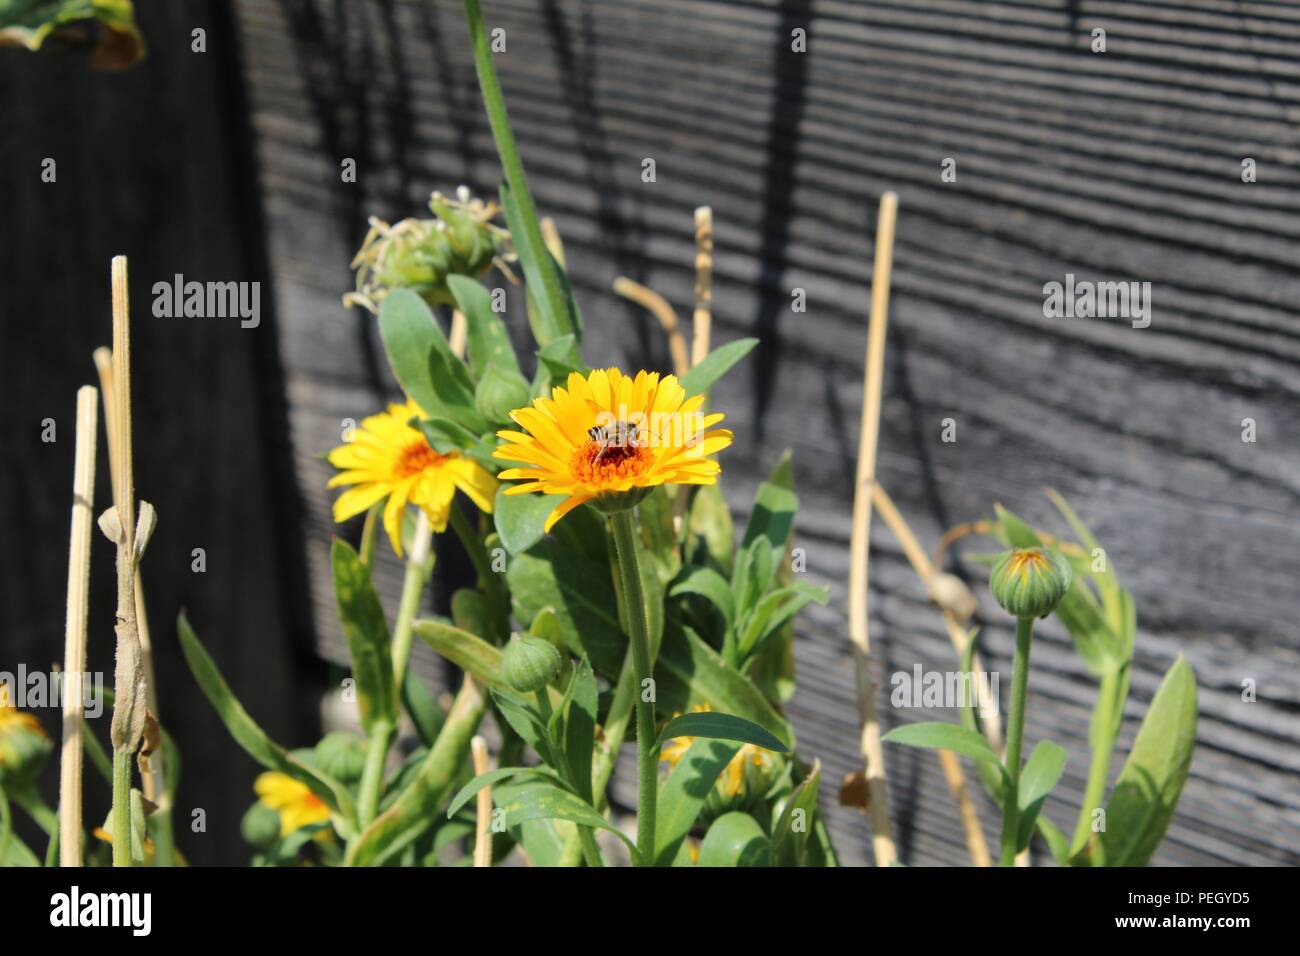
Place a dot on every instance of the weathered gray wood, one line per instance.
(1122, 166)
(149, 165)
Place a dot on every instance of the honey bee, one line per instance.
(619, 436)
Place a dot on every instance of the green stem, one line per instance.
(493, 587)
(511, 164)
(1015, 735)
(372, 775)
(121, 808)
(1107, 728)
(417, 575)
(639, 634)
(590, 849)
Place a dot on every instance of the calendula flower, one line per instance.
(732, 779)
(389, 458)
(297, 805)
(609, 438)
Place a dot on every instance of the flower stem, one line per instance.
(1108, 727)
(372, 775)
(639, 633)
(417, 574)
(1015, 735)
(121, 808)
(512, 166)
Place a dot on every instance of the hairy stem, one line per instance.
(1015, 736)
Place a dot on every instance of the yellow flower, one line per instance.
(297, 805)
(606, 434)
(732, 780)
(388, 458)
(11, 718)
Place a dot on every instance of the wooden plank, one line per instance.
(1117, 166)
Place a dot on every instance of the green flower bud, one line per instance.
(342, 756)
(529, 663)
(419, 254)
(260, 825)
(1030, 582)
(500, 391)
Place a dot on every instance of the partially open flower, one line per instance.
(1030, 582)
(297, 806)
(419, 254)
(389, 458)
(609, 439)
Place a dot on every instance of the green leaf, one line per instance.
(792, 832)
(710, 534)
(774, 610)
(546, 801)
(941, 736)
(546, 323)
(527, 722)
(772, 517)
(556, 360)
(486, 338)
(491, 778)
(467, 651)
(366, 631)
(1041, 772)
(735, 839)
(425, 713)
(719, 727)
(682, 795)
(250, 736)
(520, 519)
(690, 674)
(580, 592)
(580, 728)
(444, 435)
(410, 334)
(715, 365)
(711, 586)
(1147, 790)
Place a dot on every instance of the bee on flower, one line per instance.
(390, 460)
(609, 439)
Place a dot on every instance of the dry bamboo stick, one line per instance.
(459, 330)
(659, 307)
(483, 821)
(860, 540)
(153, 783)
(702, 320)
(970, 821)
(74, 650)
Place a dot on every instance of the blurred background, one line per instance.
(224, 165)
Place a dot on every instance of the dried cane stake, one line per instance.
(702, 322)
(860, 540)
(74, 652)
(118, 523)
(483, 820)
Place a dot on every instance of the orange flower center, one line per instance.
(594, 464)
(1022, 562)
(415, 458)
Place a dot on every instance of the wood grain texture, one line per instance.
(1117, 166)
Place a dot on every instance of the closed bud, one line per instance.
(1030, 582)
(529, 663)
(342, 756)
(260, 825)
